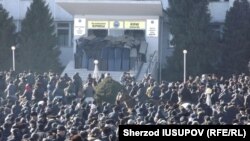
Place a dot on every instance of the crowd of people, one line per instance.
(50, 107)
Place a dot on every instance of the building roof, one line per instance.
(112, 7)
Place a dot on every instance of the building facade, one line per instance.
(75, 19)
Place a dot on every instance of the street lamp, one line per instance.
(13, 48)
(96, 70)
(184, 67)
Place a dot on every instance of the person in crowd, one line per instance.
(89, 93)
(101, 78)
(61, 133)
(84, 119)
(1, 134)
(11, 91)
(58, 92)
(69, 92)
(2, 84)
(27, 94)
(77, 80)
(38, 93)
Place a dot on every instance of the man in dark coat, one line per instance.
(184, 94)
(11, 90)
(174, 96)
(141, 93)
(238, 99)
(133, 92)
(166, 95)
(1, 134)
(38, 93)
(156, 91)
(61, 133)
(15, 135)
(77, 80)
(16, 109)
(247, 101)
(2, 85)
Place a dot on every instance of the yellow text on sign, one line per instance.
(135, 25)
(98, 24)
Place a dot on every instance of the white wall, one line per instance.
(218, 11)
(18, 9)
(66, 55)
(231, 2)
(153, 44)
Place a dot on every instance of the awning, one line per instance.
(111, 7)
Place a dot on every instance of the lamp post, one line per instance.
(184, 66)
(96, 70)
(13, 48)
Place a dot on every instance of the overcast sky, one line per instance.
(164, 3)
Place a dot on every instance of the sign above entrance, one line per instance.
(152, 28)
(135, 25)
(98, 25)
(79, 26)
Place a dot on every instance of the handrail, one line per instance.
(151, 61)
(139, 70)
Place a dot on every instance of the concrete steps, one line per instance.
(143, 71)
(70, 70)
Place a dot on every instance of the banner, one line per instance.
(98, 25)
(152, 28)
(135, 25)
(79, 26)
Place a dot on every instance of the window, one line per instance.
(98, 32)
(116, 33)
(63, 34)
(137, 34)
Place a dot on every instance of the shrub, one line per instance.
(107, 90)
